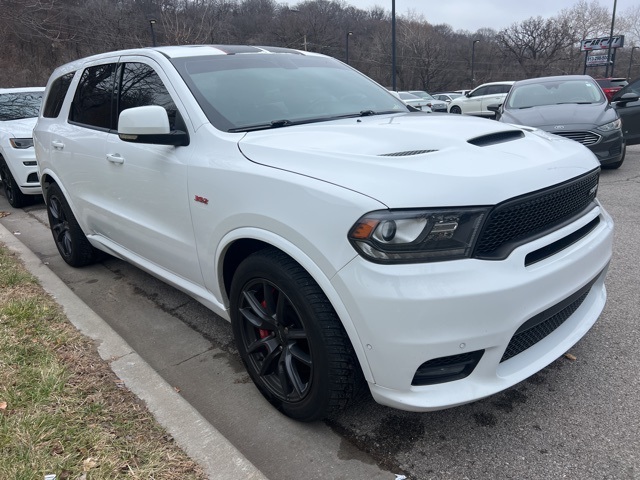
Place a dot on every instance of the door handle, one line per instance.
(115, 158)
(58, 145)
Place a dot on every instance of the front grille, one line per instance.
(525, 218)
(585, 138)
(543, 324)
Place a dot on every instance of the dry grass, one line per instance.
(62, 410)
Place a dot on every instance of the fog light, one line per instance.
(447, 369)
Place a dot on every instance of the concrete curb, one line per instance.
(191, 431)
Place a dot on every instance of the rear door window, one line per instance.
(93, 100)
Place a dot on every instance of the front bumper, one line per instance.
(24, 168)
(406, 315)
(610, 148)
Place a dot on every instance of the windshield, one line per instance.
(253, 91)
(14, 106)
(554, 93)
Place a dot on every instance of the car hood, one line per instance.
(412, 160)
(569, 116)
(22, 128)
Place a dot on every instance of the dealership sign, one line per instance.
(597, 60)
(601, 43)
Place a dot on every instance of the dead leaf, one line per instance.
(4, 214)
(569, 356)
(89, 463)
(3, 405)
(176, 389)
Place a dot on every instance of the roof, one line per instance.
(554, 78)
(21, 89)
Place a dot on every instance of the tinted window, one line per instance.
(93, 99)
(141, 86)
(14, 106)
(633, 87)
(480, 91)
(57, 92)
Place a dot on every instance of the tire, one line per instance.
(290, 339)
(69, 238)
(12, 191)
(455, 109)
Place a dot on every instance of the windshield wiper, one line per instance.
(575, 103)
(264, 126)
(286, 123)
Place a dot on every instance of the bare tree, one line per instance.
(539, 46)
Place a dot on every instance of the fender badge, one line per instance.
(200, 199)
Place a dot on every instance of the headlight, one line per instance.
(415, 236)
(21, 142)
(608, 127)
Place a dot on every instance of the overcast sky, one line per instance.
(475, 14)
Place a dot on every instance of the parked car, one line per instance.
(476, 101)
(413, 101)
(571, 106)
(18, 167)
(433, 103)
(446, 97)
(611, 85)
(627, 105)
(346, 237)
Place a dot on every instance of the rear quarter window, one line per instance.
(57, 93)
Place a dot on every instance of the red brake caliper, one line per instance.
(261, 331)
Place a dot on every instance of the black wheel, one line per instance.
(290, 338)
(455, 109)
(71, 241)
(15, 197)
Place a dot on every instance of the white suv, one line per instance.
(18, 168)
(477, 100)
(439, 259)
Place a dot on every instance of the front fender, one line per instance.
(276, 241)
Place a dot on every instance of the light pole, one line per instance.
(473, 62)
(347, 56)
(630, 63)
(613, 21)
(152, 22)
(393, 45)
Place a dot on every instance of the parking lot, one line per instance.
(576, 419)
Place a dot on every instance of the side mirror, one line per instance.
(495, 107)
(627, 97)
(149, 124)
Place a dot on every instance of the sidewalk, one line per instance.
(197, 437)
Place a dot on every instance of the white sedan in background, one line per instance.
(477, 100)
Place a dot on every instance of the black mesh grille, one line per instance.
(524, 218)
(543, 324)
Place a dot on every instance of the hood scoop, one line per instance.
(494, 138)
(406, 154)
